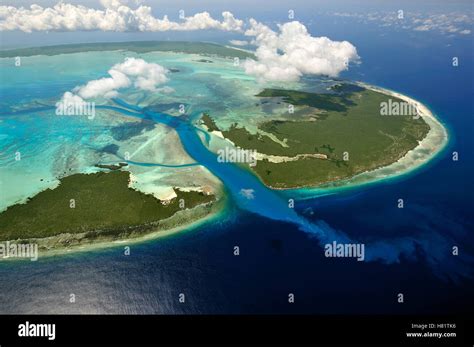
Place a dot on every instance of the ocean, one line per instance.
(278, 258)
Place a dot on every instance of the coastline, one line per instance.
(200, 215)
(428, 148)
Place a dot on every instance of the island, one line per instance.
(316, 134)
(334, 136)
(100, 206)
(201, 48)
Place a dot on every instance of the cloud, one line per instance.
(117, 16)
(147, 75)
(248, 193)
(238, 42)
(422, 28)
(117, 3)
(105, 87)
(71, 99)
(204, 20)
(132, 72)
(445, 23)
(293, 52)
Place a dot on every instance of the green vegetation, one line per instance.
(203, 48)
(346, 88)
(261, 143)
(329, 102)
(352, 123)
(303, 172)
(209, 122)
(103, 205)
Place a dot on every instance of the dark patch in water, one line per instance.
(129, 130)
(112, 149)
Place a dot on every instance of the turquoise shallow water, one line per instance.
(272, 204)
(50, 142)
(278, 256)
(203, 86)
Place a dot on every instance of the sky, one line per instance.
(267, 12)
(291, 39)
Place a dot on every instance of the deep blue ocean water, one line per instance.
(277, 258)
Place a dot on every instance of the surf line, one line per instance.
(250, 194)
(246, 189)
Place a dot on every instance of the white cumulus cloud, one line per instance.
(147, 75)
(71, 99)
(132, 72)
(118, 3)
(293, 52)
(117, 16)
(105, 87)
